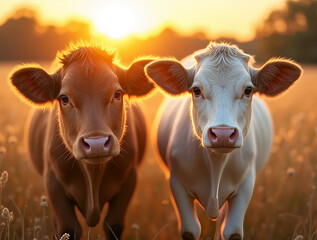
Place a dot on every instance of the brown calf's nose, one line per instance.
(223, 137)
(96, 146)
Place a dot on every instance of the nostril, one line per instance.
(212, 135)
(85, 145)
(233, 137)
(108, 143)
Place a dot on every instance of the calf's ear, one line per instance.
(133, 80)
(35, 85)
(275, 76)
(170, 76)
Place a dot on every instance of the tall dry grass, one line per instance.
(284, 202)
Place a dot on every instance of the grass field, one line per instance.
(283, 205)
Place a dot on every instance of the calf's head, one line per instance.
(222, 83)
(89, 89)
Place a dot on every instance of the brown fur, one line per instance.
(170, 75)
(44, 86)
(89, 78)
(129, 78)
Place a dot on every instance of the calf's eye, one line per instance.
(196, 91)
(64, 99)
(117, 95)
(248, 91)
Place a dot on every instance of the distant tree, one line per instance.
(166, 44)
(291, 32)
(23, 38)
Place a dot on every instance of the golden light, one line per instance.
(117, 20)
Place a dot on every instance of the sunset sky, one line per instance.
(118, 18)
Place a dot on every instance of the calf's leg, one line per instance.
(233, 229)
(222, 216)
(114, 222)
(63, 207)
(190, 226)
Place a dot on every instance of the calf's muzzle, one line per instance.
(223, 137)
(96, 146)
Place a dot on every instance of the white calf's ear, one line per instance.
(170, 75)
(275, 76)
(35, 85)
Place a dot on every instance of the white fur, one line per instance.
(198, 172)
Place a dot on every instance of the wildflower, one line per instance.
(165, 202)
(12, 139)
(44, 201)
(37, 224)
(135, 227)
(3, 179)
(290, 171)
(65, 236)
(44, 219)
(9, 129)
(98, 237)
(299, 237)
(3, 150)
(10, 216)
(7, 215)
(2, 138)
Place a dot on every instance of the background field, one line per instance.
(284, 201)
(284, 204)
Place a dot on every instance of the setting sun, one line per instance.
(116, 20)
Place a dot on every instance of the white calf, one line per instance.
(215, 139)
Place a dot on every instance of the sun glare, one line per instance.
(116, 20)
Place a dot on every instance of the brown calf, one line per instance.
(89, 145)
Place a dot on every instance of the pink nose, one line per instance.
(223, 137)
(96, 146)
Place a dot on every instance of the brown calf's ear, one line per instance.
(170, 75)
(276, 76)
(35, 85)
(134, 81)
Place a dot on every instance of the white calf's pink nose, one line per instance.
(223, 137)
(96, 146)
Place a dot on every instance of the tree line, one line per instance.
(289, 32)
